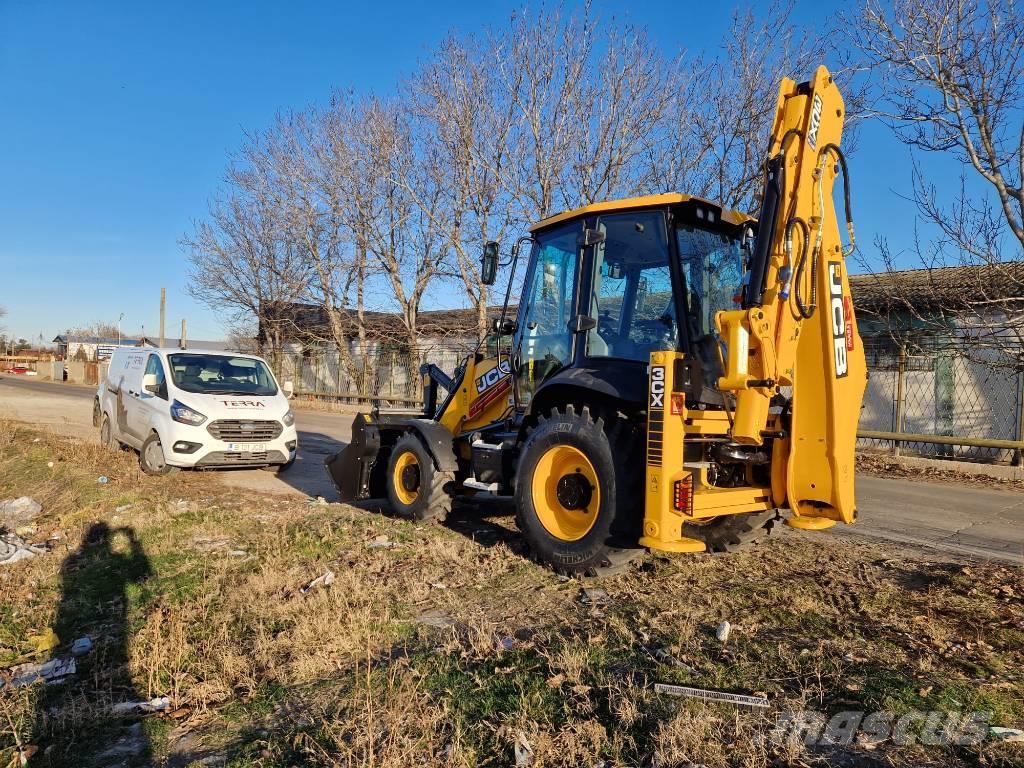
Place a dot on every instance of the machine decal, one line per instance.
(812, 130)
(492, 377)
(848, 313)
(495, 393)
(838, 310)
(656, 416)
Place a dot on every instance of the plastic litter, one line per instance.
(102, 479)
(381, 542)
(323, 580)
(724, 697)
(13, 549)
(1005, 734)
(158, 704)
(81, 646)
(52, 671)
(722, 632)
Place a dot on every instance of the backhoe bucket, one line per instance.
(351, 468)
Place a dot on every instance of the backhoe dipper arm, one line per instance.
(782, 337)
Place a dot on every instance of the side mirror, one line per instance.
(289, 389)
(149, 383)
(501, 327)
(489, 263)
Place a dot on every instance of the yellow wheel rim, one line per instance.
(406, 478)
(566, 495)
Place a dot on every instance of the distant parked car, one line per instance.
(20, 370)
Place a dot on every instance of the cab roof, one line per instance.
(631, 203)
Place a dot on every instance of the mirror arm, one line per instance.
(504, 307)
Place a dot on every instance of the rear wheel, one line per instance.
(732, 533)
(106, 437)
(575, 505)
(151, 457)
(416, 487)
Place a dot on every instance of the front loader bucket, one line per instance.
(351, 468)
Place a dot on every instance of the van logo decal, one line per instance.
(244, 404)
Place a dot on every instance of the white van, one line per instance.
(182, 408)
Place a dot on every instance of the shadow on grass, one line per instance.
(73, 723)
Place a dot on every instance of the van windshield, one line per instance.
(221, 375)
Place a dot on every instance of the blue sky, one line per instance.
(118, 119)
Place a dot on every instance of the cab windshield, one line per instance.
(221, 375)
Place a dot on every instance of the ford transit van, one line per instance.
(180, 408)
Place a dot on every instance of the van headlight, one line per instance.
(184, 414)
(289, 419)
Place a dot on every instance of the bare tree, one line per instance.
(951, 82)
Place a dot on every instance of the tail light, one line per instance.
(682, 495)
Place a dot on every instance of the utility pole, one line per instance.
(182, 339)
(163, 309)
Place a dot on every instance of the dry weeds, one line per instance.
(194, 593)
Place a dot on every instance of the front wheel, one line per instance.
(151, 457)
(106, 437)
(575, 505)
(416, 487)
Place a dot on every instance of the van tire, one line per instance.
(151, 457)
(106, 435)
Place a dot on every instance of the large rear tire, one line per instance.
(732, 533)
(416, 487)
(576, 505)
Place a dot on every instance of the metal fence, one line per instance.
(378, 373)
(941, 393)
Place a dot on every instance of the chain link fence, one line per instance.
(377, 373)
(941, 392)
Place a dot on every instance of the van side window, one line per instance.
(154, 366)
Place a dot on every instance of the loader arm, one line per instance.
(797, 328)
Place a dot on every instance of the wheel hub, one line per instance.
(574, 491)
(411, 477)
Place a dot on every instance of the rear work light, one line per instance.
(682, 495)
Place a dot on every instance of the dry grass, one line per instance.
(194, 593)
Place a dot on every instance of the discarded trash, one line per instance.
(722, 632)
(52, 671)
(438, 585)
(321, 500)
(1005, 734)
(158, 704)
(523, 751)
(594, 596)
(123, 508)
(381, 542)
(665, 657)
(238, 553)
(13, 548)
(435, 618)
(19, 511)
(102, 480)
(505, 643)
(755, 702)
(49, 464)
(323, 580)
(81, 646)
(45, 641)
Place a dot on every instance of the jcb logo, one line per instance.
(812, 129)
(839, 319)
(492, 377)
(658, 387)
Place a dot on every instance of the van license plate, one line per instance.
(247, 447)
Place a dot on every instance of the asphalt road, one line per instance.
(957, 520)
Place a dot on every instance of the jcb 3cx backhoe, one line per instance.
(679, 376)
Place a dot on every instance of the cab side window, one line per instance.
(154, 366)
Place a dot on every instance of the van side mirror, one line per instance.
(289, 389)
(489, 263)
(149, 383)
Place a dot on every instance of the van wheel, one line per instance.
(151, 457)
(106, 438)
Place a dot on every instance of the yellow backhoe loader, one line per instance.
(677, 377)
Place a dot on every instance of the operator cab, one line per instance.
(604, 290)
